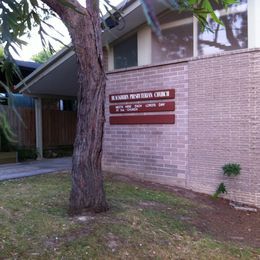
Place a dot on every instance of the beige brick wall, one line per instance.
(217, 122)
(154, 152)
(255, 122)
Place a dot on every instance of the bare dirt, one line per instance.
(214, 217)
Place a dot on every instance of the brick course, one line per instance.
(217, 122)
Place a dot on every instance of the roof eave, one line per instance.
(53, 62)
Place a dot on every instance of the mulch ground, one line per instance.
(214, 216)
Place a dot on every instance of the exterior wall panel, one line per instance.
(217, 122)
(154, 152)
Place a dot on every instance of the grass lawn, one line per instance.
(141, 224)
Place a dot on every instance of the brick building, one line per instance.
(216, 78)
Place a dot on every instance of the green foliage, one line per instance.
(1, 53)
(8, 137)
(26, 154)
(204, 8)
(5, 145)
(18, 18)
(220, 190)
(42, 56)
(231, 169)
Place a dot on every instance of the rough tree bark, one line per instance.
(83, 24)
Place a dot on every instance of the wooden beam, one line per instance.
(38, 127)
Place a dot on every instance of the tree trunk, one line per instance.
(87, 181)
(87, 193)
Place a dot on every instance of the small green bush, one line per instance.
(221, 189)
(26, 154)
(231, 169)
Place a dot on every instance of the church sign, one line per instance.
(138, 109)
(142, 96)
(142, 107)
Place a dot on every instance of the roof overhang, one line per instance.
(58, 76)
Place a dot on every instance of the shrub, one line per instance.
(26, 154)
(231, 169)
(221, 189)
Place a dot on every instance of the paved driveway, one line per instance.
(25, 169)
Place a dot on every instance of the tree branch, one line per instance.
(216, 44)
(229, 33)
(65, 8)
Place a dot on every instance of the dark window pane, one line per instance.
(125, 53)
(67, 105)
(177, 44)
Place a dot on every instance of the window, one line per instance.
(125, 53)
(67, 105)
(177, 43)
(183, 38)
(231, 36)
(3, 99)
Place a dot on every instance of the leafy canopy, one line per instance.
(1, 53)
(42, 56)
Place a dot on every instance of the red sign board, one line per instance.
(142, 96)
(146, 119)
(143, 107)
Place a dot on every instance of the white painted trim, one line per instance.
(110, 57)
(38, 127)
(253, 23)
(177, 23)
(144, 46)
(195, 36)
(233, 10)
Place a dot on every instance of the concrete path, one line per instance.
(25, 169)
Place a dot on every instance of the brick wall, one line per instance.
(217, 122)
(254, 71)
(154, 152)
